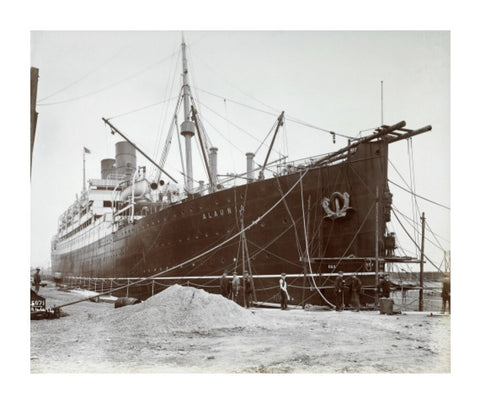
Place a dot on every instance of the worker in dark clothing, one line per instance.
(248, 291)
(339, 290)
(383, 287)
(235, 286)
(37, 280)
(225, 286)
(283, 292)
(356, 288)
(446, 293)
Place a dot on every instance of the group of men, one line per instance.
(231, 289)
(355, 287)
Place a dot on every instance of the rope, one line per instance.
(162, 122)
(411, 224)
(266, 137)
(291, 119)
(108, 86)
(417, 195)
(426, 257)
(306, 248)
(298, 121)
(140, 109)
(297, 239)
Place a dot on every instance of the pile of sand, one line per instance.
(183, 309)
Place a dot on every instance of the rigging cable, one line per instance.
(412, 223)
(426, 257)
(84, 76)
(115, 83)
(231, 123)
(307, 248)
(287, 117)
(161, 124)
(266, 137)
(140, 109)
(417, 195)
(219, 74)
(412, 186)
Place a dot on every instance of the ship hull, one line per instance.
(194, 242)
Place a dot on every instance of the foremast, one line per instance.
(187, 128)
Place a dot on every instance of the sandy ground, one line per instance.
(96, 338)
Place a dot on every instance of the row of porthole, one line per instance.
(182, 213)
(188, 239)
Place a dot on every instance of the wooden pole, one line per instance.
(376, 248)
(420, 292)
(138, 149)
(305, 256)
(304, 283)
(280, 123)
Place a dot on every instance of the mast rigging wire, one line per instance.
(141, 108)
(161, 125)
(115, 83)
(84, 76)
(426, 257)
(412, 223)
(220, 74)
(417, 195)
(232, 123)
(287, 117)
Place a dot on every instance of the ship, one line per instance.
(133, 235)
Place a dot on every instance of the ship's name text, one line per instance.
(216, 213)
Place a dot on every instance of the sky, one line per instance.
(328, 79)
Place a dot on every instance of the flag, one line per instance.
(86, 150)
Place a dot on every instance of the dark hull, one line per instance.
(169, 237)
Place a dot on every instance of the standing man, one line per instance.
(235, 286)
(339, 288)
(446, 293)
(224, 285)
(283, 292)
(248, 290)
(384, 287)
(356, 288)
(37, 280)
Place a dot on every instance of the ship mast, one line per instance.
(187, 128)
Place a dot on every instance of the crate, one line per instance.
(386, 306)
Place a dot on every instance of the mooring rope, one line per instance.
(307, 251)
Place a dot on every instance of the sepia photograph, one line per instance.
(240, 202)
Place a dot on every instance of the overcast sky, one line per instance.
(328, 79)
